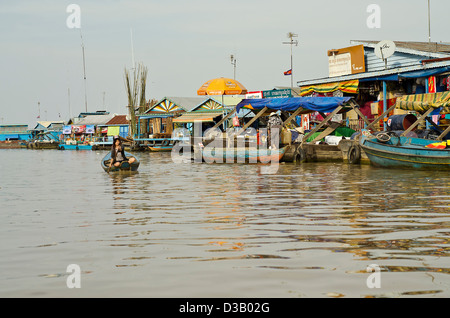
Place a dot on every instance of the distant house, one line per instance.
(81, 116)
(116, 126)
(14, 132)
(157, 121)
(44, 126)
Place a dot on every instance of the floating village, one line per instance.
(384, 103)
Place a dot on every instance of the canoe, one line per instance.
(391, 151)
(125, 166)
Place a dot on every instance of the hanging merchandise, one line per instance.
(236, 121)
(432, 84)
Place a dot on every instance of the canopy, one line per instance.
(422, 102)
(320, 104)
(192, 117)
(346, 87)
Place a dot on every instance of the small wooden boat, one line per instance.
(391, 151)
(64, 146)
(243, 155)
(125, 166)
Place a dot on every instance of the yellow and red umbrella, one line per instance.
(222, 86)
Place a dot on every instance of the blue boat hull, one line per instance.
(75, 147)
(405, 152)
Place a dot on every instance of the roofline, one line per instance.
(403, 50)
(169, 98)
(391, 71)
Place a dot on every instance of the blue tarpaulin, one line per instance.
(320, 104)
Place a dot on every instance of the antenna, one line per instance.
(84, 71)
(384, 49)
(233, 62)
(291, 36)
(429, 23)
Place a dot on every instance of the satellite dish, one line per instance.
(384, 49)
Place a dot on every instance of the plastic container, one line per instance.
(400, 122)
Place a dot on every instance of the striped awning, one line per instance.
(350, 87)
(192, 117)
(422, 102)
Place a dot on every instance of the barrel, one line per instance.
(400, 122)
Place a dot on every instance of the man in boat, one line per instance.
(274, 126)
(118, 153)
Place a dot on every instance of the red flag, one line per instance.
(289, 72)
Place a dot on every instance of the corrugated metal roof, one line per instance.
(432, 47)
(95, 120)
(408, 57)
(118, 120)
(374, 74)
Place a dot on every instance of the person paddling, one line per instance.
(118, 153)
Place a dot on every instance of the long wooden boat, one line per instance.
(65, 146)
(404, 152)
(243, 155)
(125, 166)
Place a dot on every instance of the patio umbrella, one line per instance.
(222, 86)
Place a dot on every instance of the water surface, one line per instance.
(219, 230)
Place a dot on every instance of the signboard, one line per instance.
(345, 61)
(90, 129)
(67, 130)
(253, 95)
(78, 129)
(277, 93)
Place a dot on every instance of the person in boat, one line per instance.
(118, 153)
(274, 126)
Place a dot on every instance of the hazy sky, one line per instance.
(183, 44)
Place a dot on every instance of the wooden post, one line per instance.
(428, 119)
(418, 121)
(444, 133)
(355, 107)
(326, 132)
(224, 118)
(261, 112)
(328, 118)
(292, 116)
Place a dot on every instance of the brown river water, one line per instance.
(219, 230)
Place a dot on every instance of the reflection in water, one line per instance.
(230, 230)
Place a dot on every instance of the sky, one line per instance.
(183, 44)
